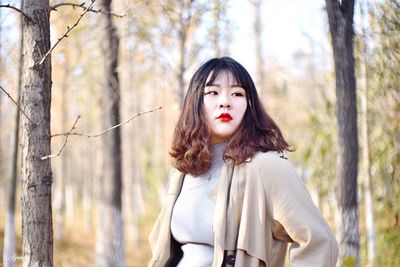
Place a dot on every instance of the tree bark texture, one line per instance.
(37, 228)
(110, 243)
(340, 17)
(9, 232)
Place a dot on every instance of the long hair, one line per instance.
(191, 145)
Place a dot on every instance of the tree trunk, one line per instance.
(135, 198)
(110, 240)
(259, 47)
(340, 17)
(62, 179)
(216, 31)
(368, 192)
(182, 54)
(9, 232)
(37, 228)
(88, 188)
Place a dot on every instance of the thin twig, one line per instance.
(66, 33)
(18, 10)
(82, 5)
(109, 129)
(65, 141)
(16, 104)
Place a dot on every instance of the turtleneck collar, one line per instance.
(218, 153)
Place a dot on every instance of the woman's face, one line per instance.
(224, 104)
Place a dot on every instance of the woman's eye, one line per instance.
(211, 93)
(238, 94)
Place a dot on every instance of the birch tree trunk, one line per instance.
(340, 16)
(9, 232)
(110, 239)
(37, 228)
(367, 183)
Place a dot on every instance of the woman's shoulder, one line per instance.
(269, 158)
(272, 164)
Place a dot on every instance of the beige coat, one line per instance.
(268, 208)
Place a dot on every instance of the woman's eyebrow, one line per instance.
(212, 84)
(218, 85)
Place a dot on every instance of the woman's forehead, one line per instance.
(221, 74)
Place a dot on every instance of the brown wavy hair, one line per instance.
(191, 145)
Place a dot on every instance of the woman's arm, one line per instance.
(314, 243)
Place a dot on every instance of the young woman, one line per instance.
(233, 197)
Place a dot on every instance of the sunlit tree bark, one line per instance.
(37, 228)
(340, 16)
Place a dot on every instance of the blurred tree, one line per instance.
(364, 138)
(319, 127)
(61, 88)
(260, 62)
(110, 236)
(187, 15)
(129, 94)
(61, 181)
(216, 31)
(387, 105)
(385, 127)
(37, 177)
(183, 16)
(340, 16)
(9, 232)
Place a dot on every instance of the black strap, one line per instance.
(229, 258)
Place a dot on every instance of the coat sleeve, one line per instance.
(292, 207)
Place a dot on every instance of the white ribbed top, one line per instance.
(193, 214)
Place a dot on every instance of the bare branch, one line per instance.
(126, 11)
(17, 105)
(65, 142)
(82, 5)
(109, 129)
(66, 33)
(18, 10)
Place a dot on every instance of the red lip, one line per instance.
(225, 117)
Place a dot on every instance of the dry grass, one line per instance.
(77, 247)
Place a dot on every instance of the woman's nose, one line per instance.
(225, 106)
(224, 101)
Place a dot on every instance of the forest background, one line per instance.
(286, 48)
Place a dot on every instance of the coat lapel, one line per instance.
(163, 251)
(220, 214)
